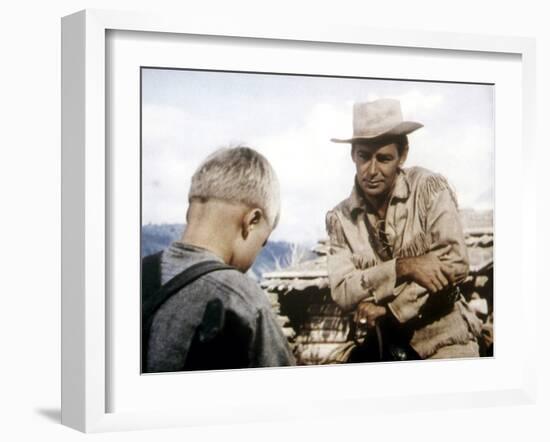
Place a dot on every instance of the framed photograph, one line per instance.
(146, 99)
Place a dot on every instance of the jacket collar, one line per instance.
(356, 203)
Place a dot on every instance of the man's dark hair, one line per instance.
(402, 142)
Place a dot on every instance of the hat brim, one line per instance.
(403, 128)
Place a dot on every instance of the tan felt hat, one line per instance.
(377, 119)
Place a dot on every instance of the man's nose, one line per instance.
(372, 167)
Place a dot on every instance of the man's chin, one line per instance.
(372, 193)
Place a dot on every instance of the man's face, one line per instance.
(377, 165)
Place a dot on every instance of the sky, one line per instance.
(186, 115)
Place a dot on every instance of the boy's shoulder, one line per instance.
(235, 290)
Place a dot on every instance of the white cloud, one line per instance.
(414, 103)
(315, 174)
(168, 161)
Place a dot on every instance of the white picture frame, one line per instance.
(86, 199)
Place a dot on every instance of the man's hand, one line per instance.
(368, 312)
(426, 270)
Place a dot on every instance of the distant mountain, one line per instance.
(155, 237)
(275, 255)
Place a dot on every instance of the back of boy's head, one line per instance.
(238, 175)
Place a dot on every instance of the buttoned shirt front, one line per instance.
(421, 217)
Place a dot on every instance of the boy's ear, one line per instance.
(250, 220)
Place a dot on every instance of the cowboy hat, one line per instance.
(377, 119)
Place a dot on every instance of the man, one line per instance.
(397, 250)
(223, 319)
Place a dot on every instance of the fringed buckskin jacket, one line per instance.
(422, 216)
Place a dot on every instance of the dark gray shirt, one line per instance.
(222, 320)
